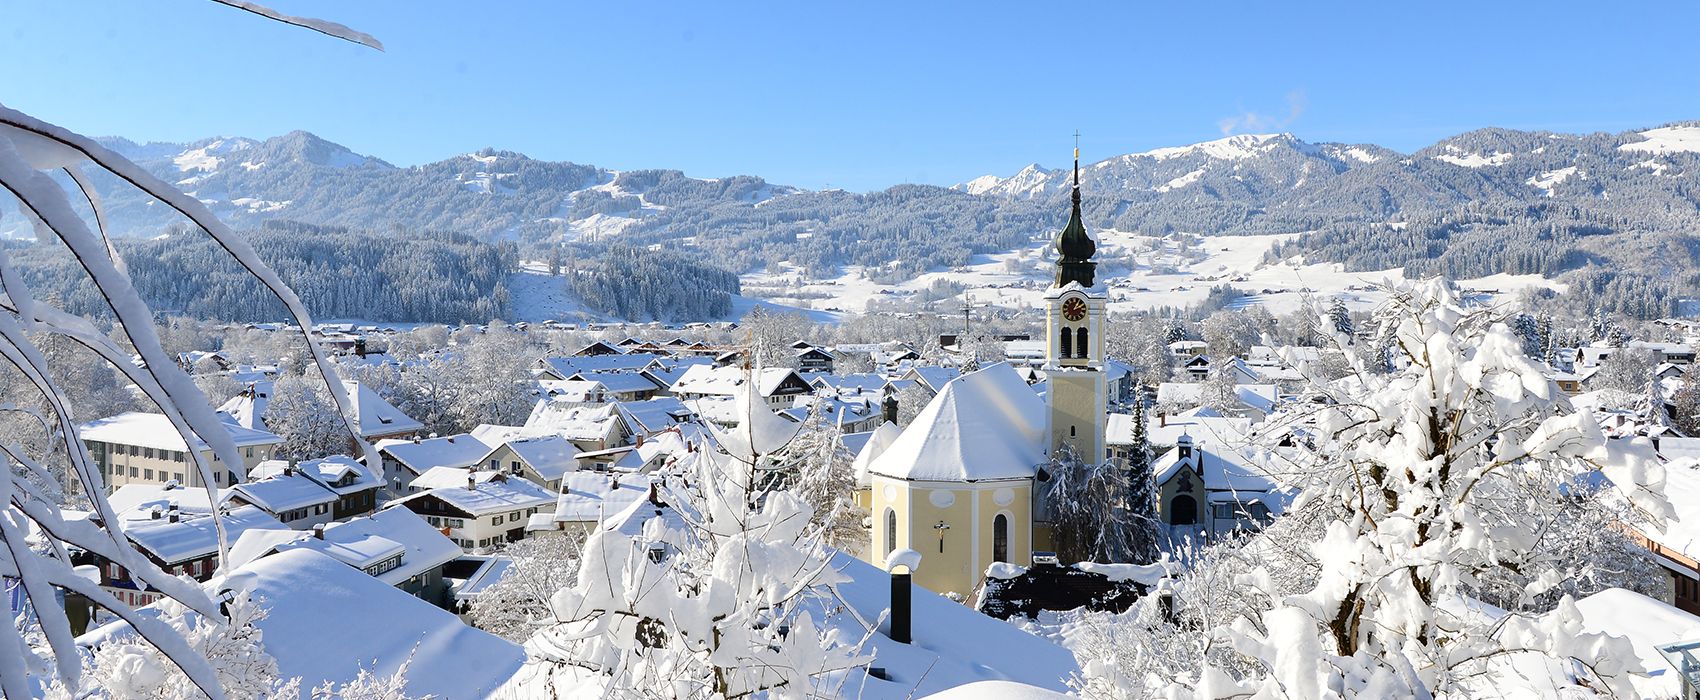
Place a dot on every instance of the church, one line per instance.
(964, 483)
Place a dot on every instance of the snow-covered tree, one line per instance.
(517, 606)
(1443, 483)
(1095, 513)
(817, 467)
(1685, 408)
(303, 413)
(716, 596)
(1340, 318)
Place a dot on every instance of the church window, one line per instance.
(1080, 344)
(890, 531)
(1065, 337)
(1000, 538)
(1183, 510)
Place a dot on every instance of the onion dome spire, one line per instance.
(1074, 247)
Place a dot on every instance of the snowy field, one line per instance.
(1165, 272)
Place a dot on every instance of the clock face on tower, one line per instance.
(1074, 309)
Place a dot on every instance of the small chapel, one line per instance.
(964, 483)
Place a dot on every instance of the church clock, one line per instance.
(1074, 309)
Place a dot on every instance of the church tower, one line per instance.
(1074, 349)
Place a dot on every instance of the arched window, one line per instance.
(1183, 510)
(1080, 344)
(890, 531)
(1000, 538)
(1064, 338)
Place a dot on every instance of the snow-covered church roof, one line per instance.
(982, 426)
(879, 439)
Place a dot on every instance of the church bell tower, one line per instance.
(1074, 349)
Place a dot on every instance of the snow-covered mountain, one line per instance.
(1479, 203)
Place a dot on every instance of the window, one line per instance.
(496, 520)
(1080, 344)
(133, 473)
(513, 517)
(147, 452)
(248, 452)
(1183, 510)
(178, 476)
(515, 465)
(890, 531)
(1000, 538)
(147, 474)
(1064, 337)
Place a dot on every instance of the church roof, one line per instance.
(1074, 247)
(982, 426)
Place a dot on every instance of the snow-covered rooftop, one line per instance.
(193, 537)
(550, 455)
(983, 425)
(284, 491)
(155, 430)
(449, 451)
(375, 416)
(572, 421)
(588, 496)
(497, 495)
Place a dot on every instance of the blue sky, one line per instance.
(857, 95)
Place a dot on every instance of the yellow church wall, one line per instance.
(958, 564)
(1167, 491)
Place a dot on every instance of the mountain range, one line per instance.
(1599, 208)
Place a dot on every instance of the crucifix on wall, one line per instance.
(941, 527)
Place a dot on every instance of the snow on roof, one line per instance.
(1222, 467)
(249, 407)
(491, 434)
(983, 425)
(935, 377)
(572, 421)
(953, 644)
(866, 381)
(449, 477)
(1681, 532)
(374, 415)
(329, 621)
(725, 381)
(620, 382)
(878, 441)
(450, 451)
(1647, 623)
(284, 492)
(334, 468)
(571, 390)
(659, 413)
(132, 500)
(488, 574)
(366, 540)
(193, 537)
(155, 430)
(499, 494)
(569, 366)
(588, 496)
(550, 455)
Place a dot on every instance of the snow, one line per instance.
(340, 620)
(1004, 570)
(997, 690)
(279, 493)
(590, 497)
(206, 158)
(194, 537)
(1181, 181)
(583, 422)
(374, 415)
(1237, 147)
(1647, 623)
(155, 430)
(878, 442)
(550, 455)
(498, 494)
(953, 644)
(1548, 180)
(449, 451)
(1360, 155)
(1145, 574)
(985, 425)
(369, 538)
(256, 206)
(1670, 139)
(1460, 157)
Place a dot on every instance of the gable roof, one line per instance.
(374, 415)
(983, 425)
(447, 451)
(155, 430)
(724, 381)
(551, 456)
(588, 496)
(498, 494)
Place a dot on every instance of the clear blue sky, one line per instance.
(859, 95)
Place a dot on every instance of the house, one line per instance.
(356, 487)
(343, 623)
(1254, 401)
(376, 418)
(777, 387)
(543, 459)
(933, 378)
(489, 510)
(145, 448)
(621, 386)
(1188, 349)
(286, 493)
(814, 359)
(1673, 353)
(566, 367)
(178, 542)
(1675, 544)
(588, 498)
(395, 546)
(577, 391)
(654, 415)
(1213, 490)
(1197, 367)
(405, 460)
(594, 427)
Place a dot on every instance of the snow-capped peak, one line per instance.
(1669, 139)
(1031, 180)
(1236, 147)
(205, 155)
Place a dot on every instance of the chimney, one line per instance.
(902, 564)
(640, 440)
(1162, 420)
(471, 482)
(319, 531)
(888, 408)
(654, 494)
(172, 515)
